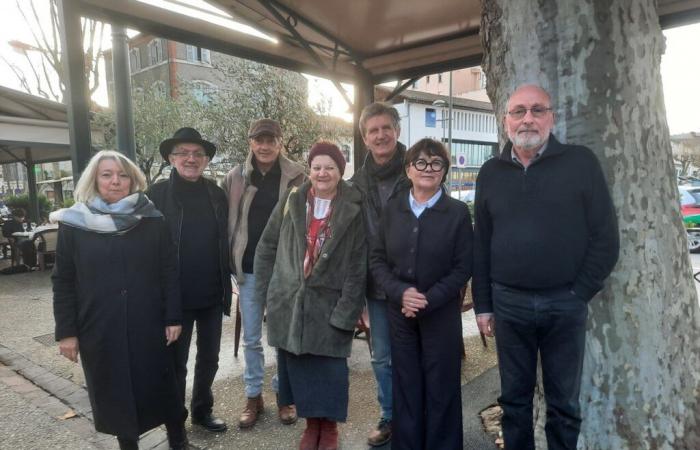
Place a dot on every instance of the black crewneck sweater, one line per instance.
(552, 225)
(200, 277)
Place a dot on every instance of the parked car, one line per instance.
(464, 196)
(690, 209)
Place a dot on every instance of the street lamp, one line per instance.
(448, 119)
(441, 104)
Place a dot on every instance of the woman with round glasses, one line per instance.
(423, 258)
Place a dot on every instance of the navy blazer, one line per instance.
(432, 253)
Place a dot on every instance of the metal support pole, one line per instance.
(364, 95)
(449, 118)
(77, 96)
(126, 142)
(449, 130)
(31, 186)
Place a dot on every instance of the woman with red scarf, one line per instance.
(310, 267)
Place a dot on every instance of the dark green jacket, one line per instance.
(316, 315)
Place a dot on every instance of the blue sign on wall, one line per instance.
(430, 117)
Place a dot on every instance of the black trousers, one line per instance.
(426, 358)
(553, 323)
(208, 322)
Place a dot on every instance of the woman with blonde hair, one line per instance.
(117, 301)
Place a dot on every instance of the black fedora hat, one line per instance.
(186, 135)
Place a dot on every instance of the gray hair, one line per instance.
(379, 109)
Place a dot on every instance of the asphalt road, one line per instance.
(695, 260)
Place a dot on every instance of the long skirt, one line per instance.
(316, 385)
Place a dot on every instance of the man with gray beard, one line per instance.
(545, 239)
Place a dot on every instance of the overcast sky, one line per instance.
(680, 69)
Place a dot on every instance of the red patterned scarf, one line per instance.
(317, 231)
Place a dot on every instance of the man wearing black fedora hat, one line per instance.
(197, 212)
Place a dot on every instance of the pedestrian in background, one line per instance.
(117, 301)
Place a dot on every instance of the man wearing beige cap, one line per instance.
(253, 189)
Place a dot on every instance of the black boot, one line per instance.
(177, 436)
(128, 443)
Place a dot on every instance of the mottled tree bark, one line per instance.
(599, 59)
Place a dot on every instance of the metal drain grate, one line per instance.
(47, 339)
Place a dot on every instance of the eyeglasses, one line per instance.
(436, 165)
(536, 111)
(186, 155)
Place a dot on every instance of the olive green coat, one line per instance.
(316, 315)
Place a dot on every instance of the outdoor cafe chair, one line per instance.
(45, 243)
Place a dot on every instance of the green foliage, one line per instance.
(248, 91)
(254, 91)
(156, 117)
(22, 201)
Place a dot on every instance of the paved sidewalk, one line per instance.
(38, 387)
(30, 418)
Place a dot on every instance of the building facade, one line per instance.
(467, 83)
(472, 126)
(168, 67)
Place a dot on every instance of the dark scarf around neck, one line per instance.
(390, 169)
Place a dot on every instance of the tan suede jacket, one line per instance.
(240, 194)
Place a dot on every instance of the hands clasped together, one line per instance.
(412, 301)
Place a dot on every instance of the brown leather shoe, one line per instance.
(329, 435)
(381, 435)
(287, 414)
(253, 408)
(309, 440)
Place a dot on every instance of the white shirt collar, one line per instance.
(417, 207)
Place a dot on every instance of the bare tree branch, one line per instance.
(46, 43)
(58, 96)
(19, 73)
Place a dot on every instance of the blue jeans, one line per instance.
(381, 353)
(252, 319)
(552, 323)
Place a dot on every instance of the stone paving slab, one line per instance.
(47, 412)
(55, 398)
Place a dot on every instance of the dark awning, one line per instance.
(377, 40)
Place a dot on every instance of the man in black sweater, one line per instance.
(197, 211)
(546, 238)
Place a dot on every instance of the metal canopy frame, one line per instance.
(363, 42)
(312, 39)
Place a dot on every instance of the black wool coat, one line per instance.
(116, 293)
(432, 253)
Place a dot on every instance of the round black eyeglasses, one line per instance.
(436, 165)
